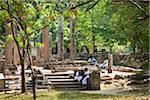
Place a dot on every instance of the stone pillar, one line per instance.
(46, 44)
(60, 42)
(1, 51)
(73, 39)
(110, 63)
(2, 66)
(8, 48)
(50, 46)
(1, 54)
(16, 59)
(94, 81)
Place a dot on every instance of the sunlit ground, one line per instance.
(68, 95)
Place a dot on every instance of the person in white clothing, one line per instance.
(85, 77)
(92, 60)
(78, 76)
(104, 64)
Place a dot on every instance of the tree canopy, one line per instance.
(117, 25)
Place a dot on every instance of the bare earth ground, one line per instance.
(112, 88)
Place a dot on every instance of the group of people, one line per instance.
(94, 62)
(82, 76)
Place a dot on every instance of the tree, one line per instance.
(27, 17)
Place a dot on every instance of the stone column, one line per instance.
(46, 44)
(73, 39)
(16, 59)
(1, 54)
(60, 42)
(50, 46)
(8, 48)
(110, 63)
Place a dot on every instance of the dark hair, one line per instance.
(86, 69)
(90, 56)
(103, 50)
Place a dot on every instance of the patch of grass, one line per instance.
(67, 95)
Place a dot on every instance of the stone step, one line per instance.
(71, 88)
(58, 80)
(57, 74)
(39, 75)
(41, 82)
(75, 87)
(57, 86)
(64, 83)
(60, 89)
(6, 89)
(67, 86)
(61, 80)
(58, 77)
(38, 87)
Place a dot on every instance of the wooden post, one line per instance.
(110, 63)
(60, 42)
(46, 44)
(73, 39)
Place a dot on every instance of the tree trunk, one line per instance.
(93, 35)
(21, 56)
(23, 81)
(22, 59)
(46, 40)
(60, 41)
(1, 55)
(93, 43)
(73, 39)
(32, 71)
(134, 47)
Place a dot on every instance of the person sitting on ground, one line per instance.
(104, 64)
(92, 60)
(78, 76)
(104, 58)
(85, 77)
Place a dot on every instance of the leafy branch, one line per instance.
(81, 4)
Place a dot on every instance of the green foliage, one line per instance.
(115, 25)
(10, 38)
(38, 44)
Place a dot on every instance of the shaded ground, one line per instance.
(68, 95)
(130, 91)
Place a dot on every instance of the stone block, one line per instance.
(2, 64)
(94, 81)
(1, 81)
(1, 84)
